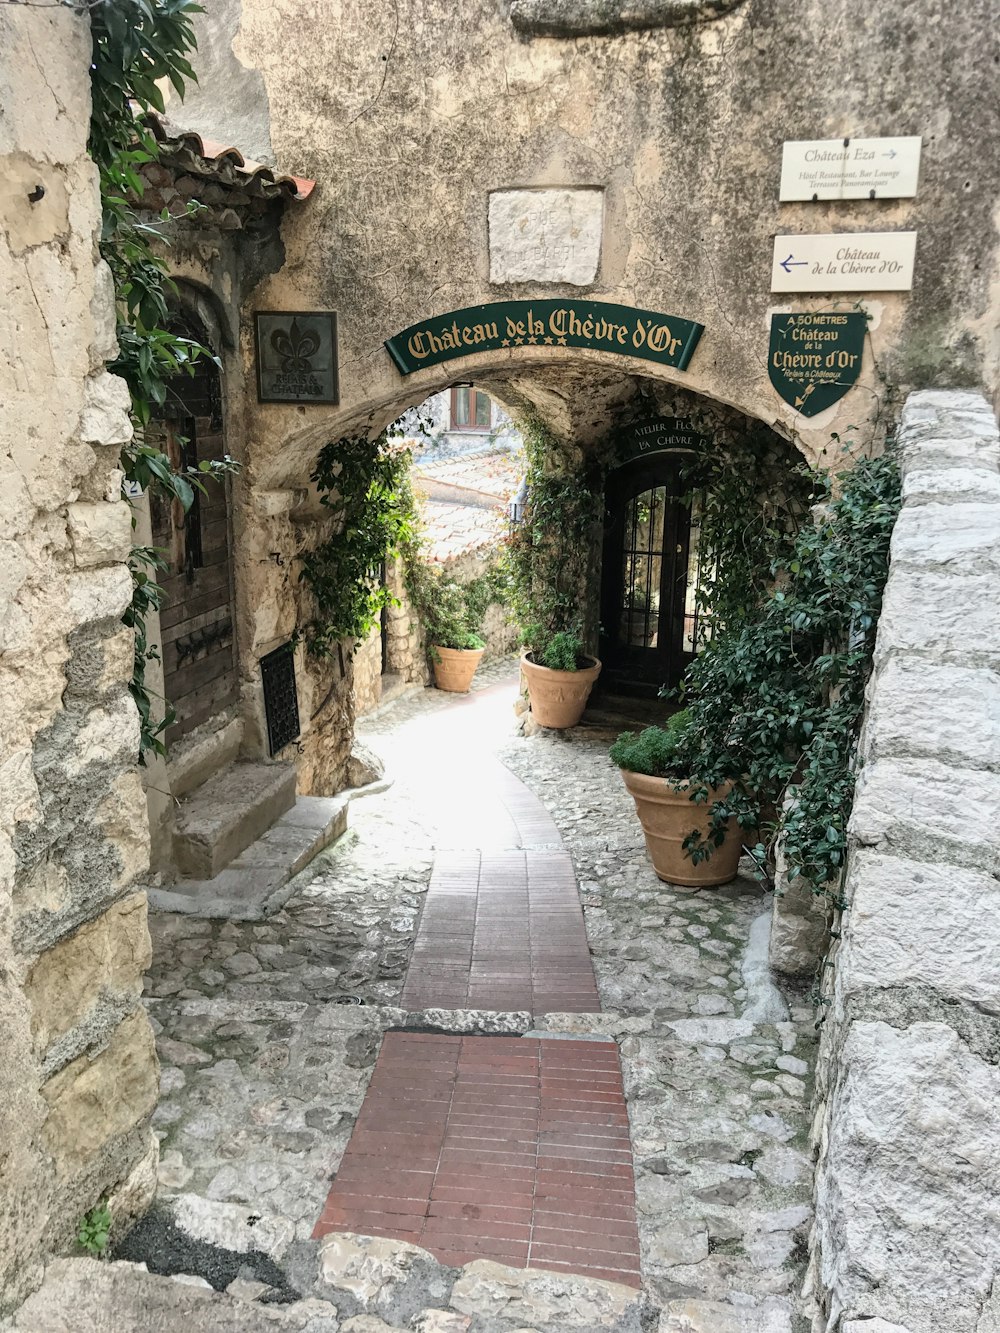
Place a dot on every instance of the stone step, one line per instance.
(249, 888)
(227, 813)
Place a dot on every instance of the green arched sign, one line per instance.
(502, 325)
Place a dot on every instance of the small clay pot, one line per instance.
(667, 817)
(558, 698)
(455, 667)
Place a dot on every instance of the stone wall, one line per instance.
(908, 1130)
(664, 142)
(78, 1075)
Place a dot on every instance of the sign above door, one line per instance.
(507, 325)
(657, 435)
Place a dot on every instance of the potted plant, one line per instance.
(454, 646)
(675, 809)
(559, 677)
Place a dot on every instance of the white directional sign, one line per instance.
(860, 261)
(850, 168)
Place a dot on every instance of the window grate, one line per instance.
(281, 699)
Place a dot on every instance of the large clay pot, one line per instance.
(667, 817)
(558, 698)
(455, 667)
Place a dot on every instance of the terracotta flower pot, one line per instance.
(455, 667)
(667, 817)
(558, 698)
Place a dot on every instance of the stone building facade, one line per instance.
(78, 1071)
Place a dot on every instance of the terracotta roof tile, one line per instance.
(222, 156)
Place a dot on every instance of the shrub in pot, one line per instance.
(559, 677)
(454, 647)
(675, 809)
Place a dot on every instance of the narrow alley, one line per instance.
(415, 1036)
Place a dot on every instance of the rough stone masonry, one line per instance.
(908, 1121)
(77, 1067)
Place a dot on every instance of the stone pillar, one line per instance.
(908, 1127)
(78, 1073)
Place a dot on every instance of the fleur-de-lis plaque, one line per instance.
(296, 356)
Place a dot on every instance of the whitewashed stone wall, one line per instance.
(908, 1186)
(78, 1074)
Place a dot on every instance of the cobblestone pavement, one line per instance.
(264, 1071)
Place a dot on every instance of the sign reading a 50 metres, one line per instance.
(503, 325)
(815, 357)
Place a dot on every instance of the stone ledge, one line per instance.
(583, 18)
(924, 710)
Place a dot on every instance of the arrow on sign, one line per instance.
(788, 264)
(890, 153)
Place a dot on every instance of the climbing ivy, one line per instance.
(547, 554)
(137, 43)
(775, 699)
(365, 486)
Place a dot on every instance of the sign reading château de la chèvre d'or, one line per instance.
(503, 325)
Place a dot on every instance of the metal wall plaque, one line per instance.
(296, 356)
(857, 261)
(507, 325)
(850, 168)
(815, 357)
(657, 435)
(281, 698)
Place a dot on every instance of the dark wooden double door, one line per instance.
(647, 610)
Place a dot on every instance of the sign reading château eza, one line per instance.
(815, 357)
(655, 435)
(850, 168)
(503, 325)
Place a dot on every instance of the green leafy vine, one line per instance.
(364, 484)
(137, 43)
(775, 700)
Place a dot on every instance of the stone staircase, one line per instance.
(241, 837)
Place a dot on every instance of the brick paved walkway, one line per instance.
(502, 931)
(506, 1148)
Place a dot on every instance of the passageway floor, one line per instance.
(265, 1066)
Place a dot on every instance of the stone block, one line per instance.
(229, 812)
(98, 594)
(908, 1214)
(800, 924)
(376, 1272)
(100, 1097)
(962, 537)
(929, 811)
(493, 1291)
(911, 923)
(105, 956)
(101, 533)
(106, 418)
(947, 616)
(195, 758)
(546, 235)
(364, 766)
(935, 484)
(936, 711)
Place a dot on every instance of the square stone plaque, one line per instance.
(296, 356)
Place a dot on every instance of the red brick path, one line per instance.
(508, 1148)
(502, 930)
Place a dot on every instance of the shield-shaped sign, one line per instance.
(815, 356)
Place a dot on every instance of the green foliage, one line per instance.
(775, 701)
(364, 484)
(655, 751)
(546, 557)
(443, 606)
(147, 596)
(94, 1230)
(561, 651)
(135, 44)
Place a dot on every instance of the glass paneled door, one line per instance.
(647, 538)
